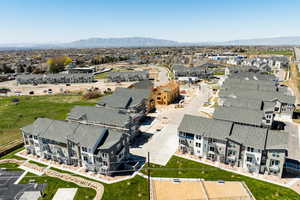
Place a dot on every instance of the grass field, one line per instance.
(14, 116)
(271, 52)
(105, 74)
(54, 183)
(183, 168)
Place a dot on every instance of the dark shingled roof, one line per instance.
(260, 95)
(252, 104)
(208, 127)
(125, 98)
(60, 131)
(249, 136)
(240, 115)
(99, 115)
(277, 140)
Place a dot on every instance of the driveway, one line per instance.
(164, 141)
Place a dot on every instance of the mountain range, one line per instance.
(152, 42)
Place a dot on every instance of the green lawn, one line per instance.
(14, 116)
(12, 155)
(37, 163)
(10, 166)
(133, 189)
(105, 74)
(183, 168)
(54, 183)
(272, 52)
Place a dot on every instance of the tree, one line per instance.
(57, 64)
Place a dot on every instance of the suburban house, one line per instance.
(107, 118)
(257, 150)
(96, 148)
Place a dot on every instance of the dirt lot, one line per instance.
(59, 88)
(194, 189)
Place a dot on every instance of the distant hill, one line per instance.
(151, 42)
(120, 42)
(276, 41)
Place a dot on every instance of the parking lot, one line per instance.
(163, 140)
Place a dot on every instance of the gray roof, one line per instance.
(146, 84)
(112, 138)
(252, 104)
(260, 95)
(99, 115)
(249, 136)
(277, 140)
(208, 127)
(258, 85)
(251, 75)
(86, 135)
(125, 98)
(240, 115)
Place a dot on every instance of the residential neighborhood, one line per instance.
(150, 100)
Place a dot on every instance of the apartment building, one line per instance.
(257, 150)
(244, 116)
(107, 118)
(280, 103)
(98, 149)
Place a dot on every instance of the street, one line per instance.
(164, 140)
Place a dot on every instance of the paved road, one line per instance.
(164, 143)
(162, 75)
(297, 53)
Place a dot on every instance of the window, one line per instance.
(274, 163)
(85, 158)
(104, 155)
(249, 159)
(84, 149)
(211, 148)
(250, 149)
(35, 137)
(198, 144)
(181, 141)
(198, 137)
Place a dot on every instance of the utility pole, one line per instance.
(149, 182)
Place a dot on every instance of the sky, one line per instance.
(43, 21)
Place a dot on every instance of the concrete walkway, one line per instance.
(98, 187)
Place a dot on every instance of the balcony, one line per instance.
(231, 158)
(274, 168)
